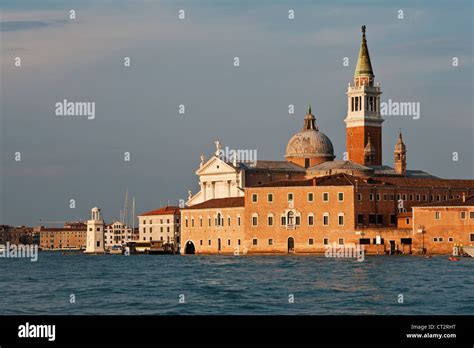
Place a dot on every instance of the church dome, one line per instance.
(310, 143)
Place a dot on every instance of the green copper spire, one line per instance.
(364, 67)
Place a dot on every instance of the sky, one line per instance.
(190, 61)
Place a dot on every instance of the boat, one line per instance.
(468, 250)
(159, 247)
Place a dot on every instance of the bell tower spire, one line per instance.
(363, 111)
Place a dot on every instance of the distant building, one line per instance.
(160, 225)
(118, 234)
(72, 236)
(16, 234)
(95, 233)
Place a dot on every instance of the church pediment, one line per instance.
(215, 166)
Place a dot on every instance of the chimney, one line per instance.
(314, 181)
(464, 197)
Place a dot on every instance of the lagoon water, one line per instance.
(218, 285)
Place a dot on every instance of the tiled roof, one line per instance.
(273, 166)
(457, 202)
(387, 170)
(168, 210)
(428, 182)
(230, 202)
(339, 165)
(343, 179)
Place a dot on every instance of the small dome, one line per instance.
(310, 142)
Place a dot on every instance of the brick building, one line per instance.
(313, 200)
(72, 236)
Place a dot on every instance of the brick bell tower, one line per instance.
(363, 121)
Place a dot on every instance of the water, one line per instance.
(152, 284)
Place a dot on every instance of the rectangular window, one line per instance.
(371, 218)
(270, 197)
(228, 221)
(290, 197)
(340, 196)
(463, 215)
(254, 220)
(411, 197)
(311, 241)
(192, 223)
(418, 197)
(238, 241)
(341, 220)
(310, 197)
(404, 197)
(385, 197)
(340, 241)
(297, 221)
(437, 215)
(450, 239)
(393, 219)
(200, 222)
(392, 197)
(472, 237)
(440, 239)
(310, 220)
(378, 196)
(270, 220)
(325, 196)
(238, 220)
(407, 221)
(200, 242)
(435, 239)
(270, 242)
(326, 220)
(283, 220)
(371, 196)
(209, 242)
(365, 241)
(359, 196)
(360, 218)
(254, 198)
(326, 241)
(471, 215)
(379, 219)
(254, 241)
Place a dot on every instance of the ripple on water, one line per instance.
(115, 284)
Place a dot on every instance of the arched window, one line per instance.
(290, 218)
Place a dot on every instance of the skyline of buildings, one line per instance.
(189, 62)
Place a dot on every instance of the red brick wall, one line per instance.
(357, 138)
